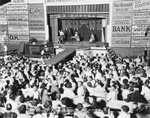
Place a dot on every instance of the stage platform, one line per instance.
(65, 51)
(80, 45)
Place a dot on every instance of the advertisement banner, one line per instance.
(121, 23)
(16, 39)
(139, 30)
(19, 1)
(122, 10)
(36, 25)
(3, 33)
(36, 17)
(17, 9)
(36, 11)
(141, 18)
(141, 15)
(141, 5)
(3, 19)
(19, 30)
(141, 21)
(3, 9)
(121, 31)
(120, 41)
(17, 19)
(18, 23)
(140, 41)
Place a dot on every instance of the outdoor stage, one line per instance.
(80, 45)
(65, 51)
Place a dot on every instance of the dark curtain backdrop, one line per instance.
(83, 26)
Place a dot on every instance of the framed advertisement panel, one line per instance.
(121, 23)
(36, 21)
(141, 22)
(18, 23)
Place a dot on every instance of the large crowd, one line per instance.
(79, 88)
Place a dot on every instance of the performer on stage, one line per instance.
(5, 49)
(61, 36)
(76, 36)
(92, 38)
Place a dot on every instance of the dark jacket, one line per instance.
(10, 115)
(136, 97)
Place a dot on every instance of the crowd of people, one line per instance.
(79, 88)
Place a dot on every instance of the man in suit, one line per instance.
(135, 96)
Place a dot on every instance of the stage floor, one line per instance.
(80, 45)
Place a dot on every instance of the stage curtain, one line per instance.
(54, 28)
(84, 33)
(98, 30)
(85, 27)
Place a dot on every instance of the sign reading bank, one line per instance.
(121, 23)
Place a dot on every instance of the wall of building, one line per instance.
(125, 28)
(22, 20)
(130, 22)
(28, 11)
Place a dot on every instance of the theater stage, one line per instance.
(65, 51)
(80, 45)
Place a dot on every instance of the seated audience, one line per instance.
(22, 111)
(124, 112)
(8, 112)
(92, 83)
